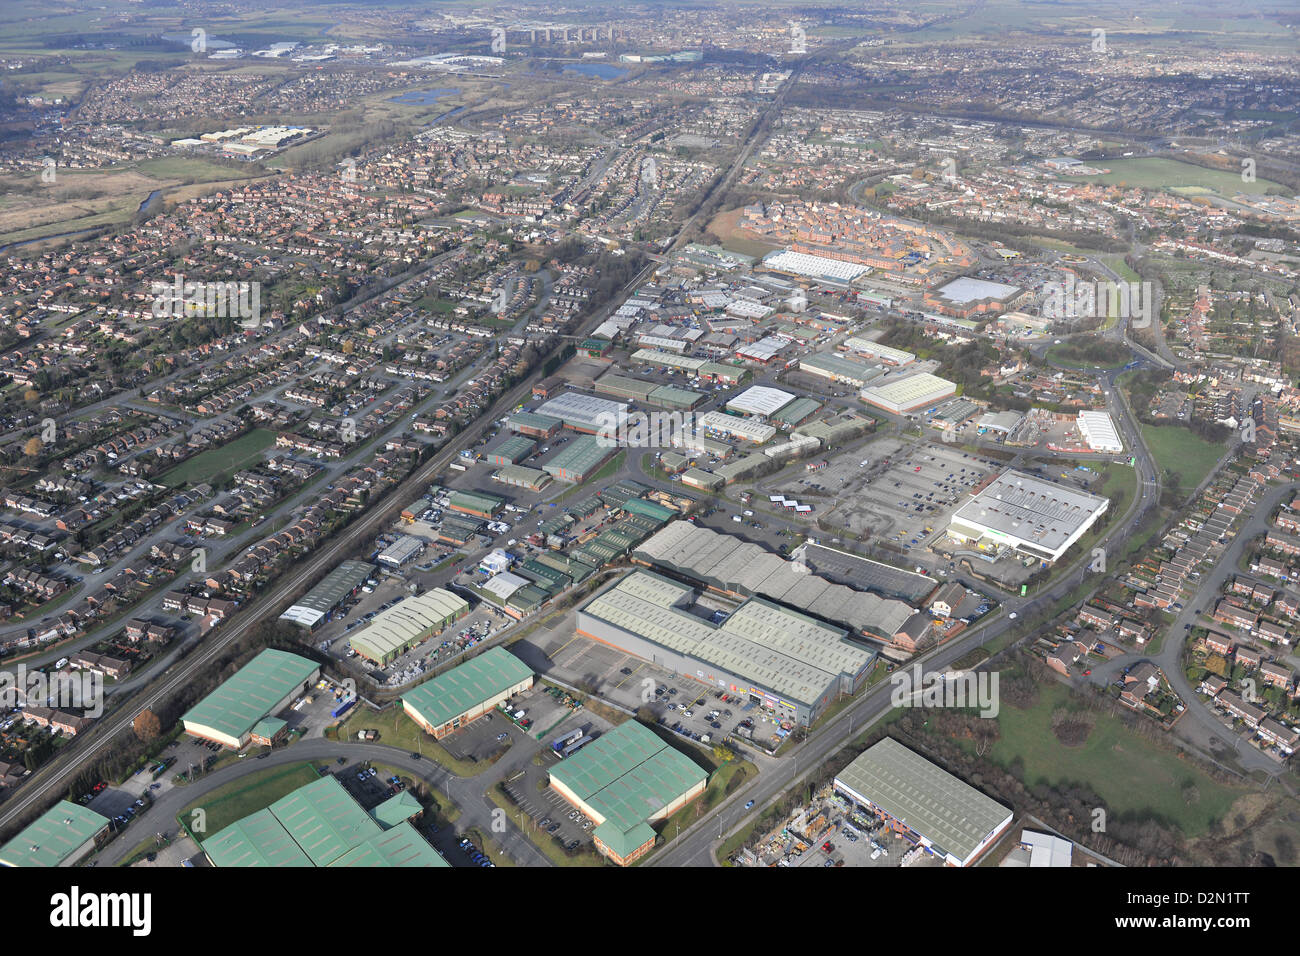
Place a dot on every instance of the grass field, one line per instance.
(1131, 775)
(1180, 451)
(232, 457)
(1174, 176)
(246, 795)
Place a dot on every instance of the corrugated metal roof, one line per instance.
(466, 686)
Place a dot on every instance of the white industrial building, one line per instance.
(814, 267)
(1033, 516)
(923, 803)
(913, 393)
(1098, 430)
(760, 400)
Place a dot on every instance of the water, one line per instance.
(423, 97)
(148, 199)
(604, 71)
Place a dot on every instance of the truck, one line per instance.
(560, 743)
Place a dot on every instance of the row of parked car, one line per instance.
(472, 852)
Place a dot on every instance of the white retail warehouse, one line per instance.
(1035, 517)
(1098, 430)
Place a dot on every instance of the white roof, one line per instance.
(967, 289)
(761, 400)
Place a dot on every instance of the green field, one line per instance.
(1173, 175)
(1180, 451)
(238, 454)
(1130, 775)
(246, 795)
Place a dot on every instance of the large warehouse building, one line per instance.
(407, 623)
(625, 780)
(320, 824)
(585, 413)
(581, 459)
(245, 706)
(336, 587)
(61, 836)
(740, 569)
(785, 661)
(901, 396)
(466, 692)
(1035, 517)
(925, 804)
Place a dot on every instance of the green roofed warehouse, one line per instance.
(61, 836)
(450, 701)
(625, 780)
(319, 824)
(261, 688)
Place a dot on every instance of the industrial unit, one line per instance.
(625, 780)
(249, 700)
(407, 623)
(335, 588)
(760, 400)
(786, 661)
(61, 836)
(1035, 517)
(585, 413)
(1098, 430)
(923, 803)
(319, 824)
(450, 701)
(581, 459)
(901, 396)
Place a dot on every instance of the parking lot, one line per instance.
(549, 815)
(894, 490)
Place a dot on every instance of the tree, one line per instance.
(147, 726)
(33, 446)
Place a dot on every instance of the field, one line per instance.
(1130, 775)
(1180, 451)
(86, 199)
(246, 795)
(232, 457)
(1175, 176)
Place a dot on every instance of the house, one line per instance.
(1140, 683)
(1065, 654)
(1218, 643)
(1212, 685)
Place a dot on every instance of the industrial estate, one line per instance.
(690, 435)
